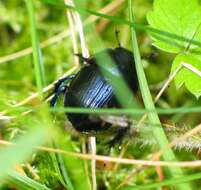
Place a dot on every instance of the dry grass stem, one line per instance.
(101, 158)
(166, 84)
(92, 144)
(70, 15)
(164, 87)
(84, 151)
(191, 68)
(187, 135)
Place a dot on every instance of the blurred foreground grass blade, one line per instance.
(24, 182)
(10, 156)
(149, 104)
(122, 21)
(75, 167)
(61, 170)
(157, 185)
(37, 55)
(112, 74)
(128, 111)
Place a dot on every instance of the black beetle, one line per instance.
(90, 89)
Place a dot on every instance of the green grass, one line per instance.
(37, 21)
(183, 179)
(158, 132)
(24, 182)
(37, 55)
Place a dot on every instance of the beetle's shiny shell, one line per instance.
(90, 89)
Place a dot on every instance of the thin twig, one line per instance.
(187, 135)
(76, 26)
(125, 161)
(191, 68)
(84, 151)
(92, 144)
(32, 171)
(166, 84)
(72, 29)
(79, 27)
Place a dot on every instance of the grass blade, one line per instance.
(59, 165)
(37, 55)
(10, 156)
(75, 168)
(24, 182)
(127, 111)
(173, 181)
(149, 104)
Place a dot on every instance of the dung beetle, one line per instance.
(90, 89)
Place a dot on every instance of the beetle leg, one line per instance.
(117, 139)
(60, 91)
(122, 130)
(61, 81)
(60, 88)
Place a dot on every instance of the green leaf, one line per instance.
(181, 17)
(186, 76)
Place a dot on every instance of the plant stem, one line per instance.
(158, 132)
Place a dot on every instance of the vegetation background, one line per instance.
(48, 169)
